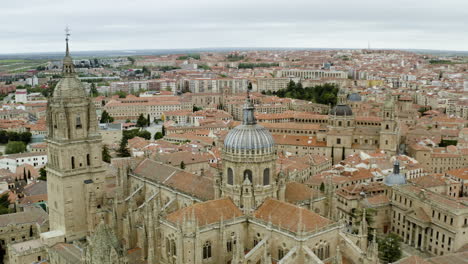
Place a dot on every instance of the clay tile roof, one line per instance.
(297, 192)
(429, 181)
(461, 173)
(195, 185)
(29, 215)
(207, 212)
(289, 216)
(377, 200)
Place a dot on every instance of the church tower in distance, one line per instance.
(75, 171)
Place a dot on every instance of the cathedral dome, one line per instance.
(341, 110)
(249, 136)
(69, 87)
(354, 97)
(395, 178)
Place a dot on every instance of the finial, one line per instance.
(67, 34)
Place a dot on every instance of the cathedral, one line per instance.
(143, 211)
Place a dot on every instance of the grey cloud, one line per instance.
(37, 25)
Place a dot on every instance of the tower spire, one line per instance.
(67, 34)
(249, 109)
(68, 68)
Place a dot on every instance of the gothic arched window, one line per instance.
(248, 174)
(266, 176)
(207, 250)
(88, 161)
(73, 162)
(230, 176)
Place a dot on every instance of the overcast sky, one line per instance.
(38, 25)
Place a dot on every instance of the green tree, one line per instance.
(196, 108)
(121, 94)
(148, 120)
(182, 165)
(389, 248)
(163, 131)
(43, 174)
(322, 187)
(106, 118)
(123, 151)
(106, 157)
(93, 92)
(15, 147)
(25, 137)
(158, 135)
(144, 134)
(3, 137)
(4, 204)
(141, 122)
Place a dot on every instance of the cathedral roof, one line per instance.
(197, 186)
(207, 212)
(249, 135)
(297, 192)
(289, 216)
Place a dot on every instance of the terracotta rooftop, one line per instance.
(377, 200)
(461, 173)
(289, 216)
(207, 212)
(198, 186)
(297, 192)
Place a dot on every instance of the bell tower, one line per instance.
(389, 129)
(75, 172)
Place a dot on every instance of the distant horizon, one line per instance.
(163, 51)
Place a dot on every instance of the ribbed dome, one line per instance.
(354, 97)
(69, 86)
(396, 178)
(249, 137)
(341, 110)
